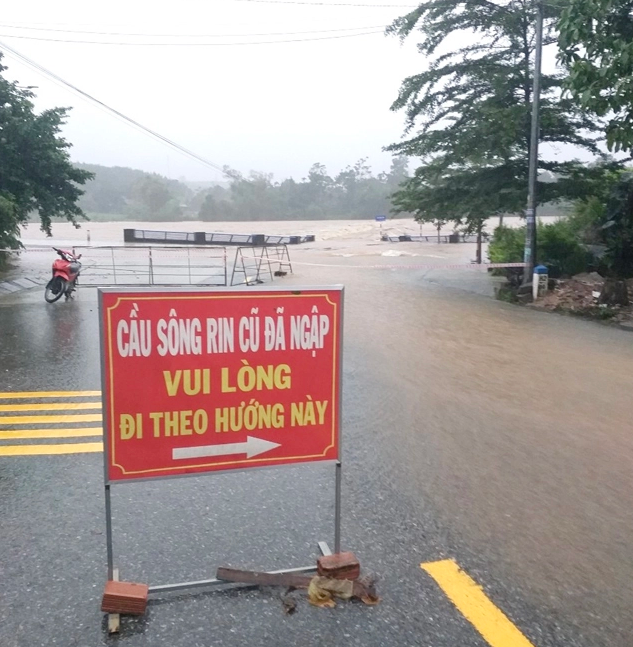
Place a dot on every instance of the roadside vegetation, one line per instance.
(595, 237)
(468, 119)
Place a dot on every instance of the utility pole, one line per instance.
(529, 256)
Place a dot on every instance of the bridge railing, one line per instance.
(153, 265)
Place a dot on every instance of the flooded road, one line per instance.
(516, 426)
(504, 433)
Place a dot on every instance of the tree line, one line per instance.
(355, 192)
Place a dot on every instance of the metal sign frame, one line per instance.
(338, 465)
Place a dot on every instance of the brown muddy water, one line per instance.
(517, 426)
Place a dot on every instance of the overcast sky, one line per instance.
(269, 107)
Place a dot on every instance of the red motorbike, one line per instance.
(65, 274)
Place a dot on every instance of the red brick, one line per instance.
(341, 566)
(129, 598)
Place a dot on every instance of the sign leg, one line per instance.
(337, 510)
(108, 507)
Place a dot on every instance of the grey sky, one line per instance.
(274, 107)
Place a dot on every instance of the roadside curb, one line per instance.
(16, 285)
(626, 325)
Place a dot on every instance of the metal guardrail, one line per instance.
(442, 238)
(152, 265)
(208, 238)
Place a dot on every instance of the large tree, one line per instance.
(468, 114)
(596, 45)
(36, 174)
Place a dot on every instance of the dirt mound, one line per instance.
(580, 296)
(588, 277)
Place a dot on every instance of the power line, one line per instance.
(42, 70)
(142, 44)
(118, 33)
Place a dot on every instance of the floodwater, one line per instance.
(516, 426)
(513, 425)
(109, 233)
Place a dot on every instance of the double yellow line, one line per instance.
(41, 418)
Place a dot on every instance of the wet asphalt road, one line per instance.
(449, 451)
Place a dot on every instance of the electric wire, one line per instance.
(143, 44)
(153, 35)
(42, 70)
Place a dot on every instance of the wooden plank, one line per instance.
(263, 579)
(363, 589)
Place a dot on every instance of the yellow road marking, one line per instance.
(39, 450)
(474, 604)
(53, 406)
(44, 420)
(78, 432)
(48, 394)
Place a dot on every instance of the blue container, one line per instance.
(541, 269)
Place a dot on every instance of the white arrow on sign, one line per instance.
(252, 447)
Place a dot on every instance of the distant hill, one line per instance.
(135, 194)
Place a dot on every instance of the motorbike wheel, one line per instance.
(55, 289)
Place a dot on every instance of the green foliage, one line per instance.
(506, 245)
(607, 219)
(9, 228)
(616, 228)
(596, 46)
(558, 247)
(35, 170)
(468, 115)
(214, 209)
(354, 193)
(585, 218)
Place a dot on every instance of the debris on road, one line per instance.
(290, 604)
(321, 590)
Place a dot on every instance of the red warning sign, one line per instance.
(198, 381)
